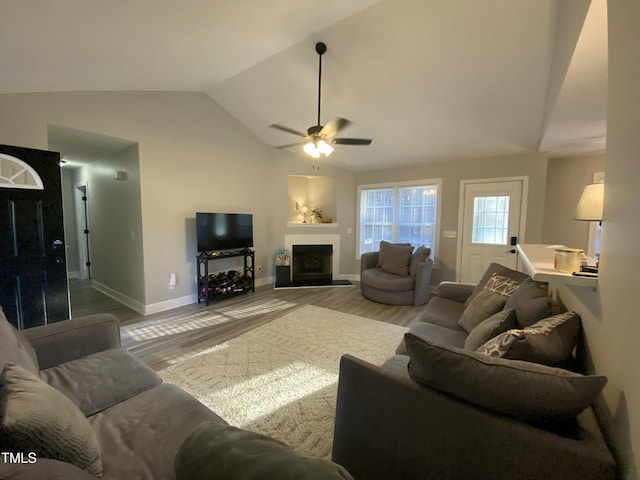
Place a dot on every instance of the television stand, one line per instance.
(222, 285)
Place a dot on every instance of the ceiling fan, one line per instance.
(320, 138)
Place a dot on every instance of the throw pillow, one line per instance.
(38, 418)
(15, 348)
(396, 259)
(529, 392)
(420, 255)
(549, 341)
(496, 268)
(485, 304)
(487, 329)
(218, 450)
(382, 250)
(530, 302)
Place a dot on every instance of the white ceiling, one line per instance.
(428, 80)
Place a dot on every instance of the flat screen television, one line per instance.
(224, 231)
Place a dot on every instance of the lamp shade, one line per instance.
(591, 202)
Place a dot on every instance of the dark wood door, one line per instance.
(33, 270)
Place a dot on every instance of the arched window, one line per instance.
(14, 173)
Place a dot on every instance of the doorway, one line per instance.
(492, 219)
(82, 230)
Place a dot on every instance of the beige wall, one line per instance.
(532, 165)
(193, 157)
(115, 224)
(614, 335)
(566, 178)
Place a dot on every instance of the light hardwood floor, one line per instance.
(162, 339)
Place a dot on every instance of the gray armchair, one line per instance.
(396, 275)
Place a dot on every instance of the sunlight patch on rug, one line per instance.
(280, 379)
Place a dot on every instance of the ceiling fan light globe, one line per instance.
(324, 148)
(311, 150)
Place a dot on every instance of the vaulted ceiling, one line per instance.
(427, 80)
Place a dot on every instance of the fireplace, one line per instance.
(312, 264)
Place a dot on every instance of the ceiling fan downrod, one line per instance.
(321, 49)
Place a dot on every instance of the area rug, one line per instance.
(280, 379)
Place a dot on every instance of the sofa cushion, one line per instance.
(421, 254)
(221, 451)
(487, 329)
(139, 438)
(396, 259)
(38, 418)
(496, 268)
(549, 341)
(485, 304)
(435, 334)
(529, 392)
(530, 303)
(100, 380)
(376, 278)
(444, 312)
(15, 348)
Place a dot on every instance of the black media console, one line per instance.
(221, 285)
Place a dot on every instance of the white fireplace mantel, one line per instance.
(319, 239)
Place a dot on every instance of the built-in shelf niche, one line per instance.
(312, 192)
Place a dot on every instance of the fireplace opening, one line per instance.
(312, 264)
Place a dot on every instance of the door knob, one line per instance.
(513, 250)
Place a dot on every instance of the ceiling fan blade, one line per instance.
(334, 126)
(287, 129)
(288, 145)
(352, 141)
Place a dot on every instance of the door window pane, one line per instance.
(491, 219)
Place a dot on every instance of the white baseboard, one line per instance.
(122, 298)
(169, 304)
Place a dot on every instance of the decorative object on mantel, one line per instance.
(589, 209)
(319, 139)
(316, 215)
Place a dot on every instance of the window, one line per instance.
(407, 212)
(491, 220)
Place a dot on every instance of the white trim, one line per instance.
(120, 297)
(523, 211)
(25, 168)
(427, 181)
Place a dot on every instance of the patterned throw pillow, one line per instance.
(490, 300)
(502, 285)
(549, 341)
(38, 418)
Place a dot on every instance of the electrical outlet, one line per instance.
(259, 267)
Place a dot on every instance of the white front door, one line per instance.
(491, 219)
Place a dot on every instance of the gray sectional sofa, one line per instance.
(486, 385)
(74, 405)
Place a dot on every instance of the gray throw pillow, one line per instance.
(217, 450)
(484, 305)
(549, 341)
(530, 302)
(421, 254)
(396, 259)
(496, 268)
(383, 249)
(529, 392)
(15, 348)
(487, 329)
(38, 418)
